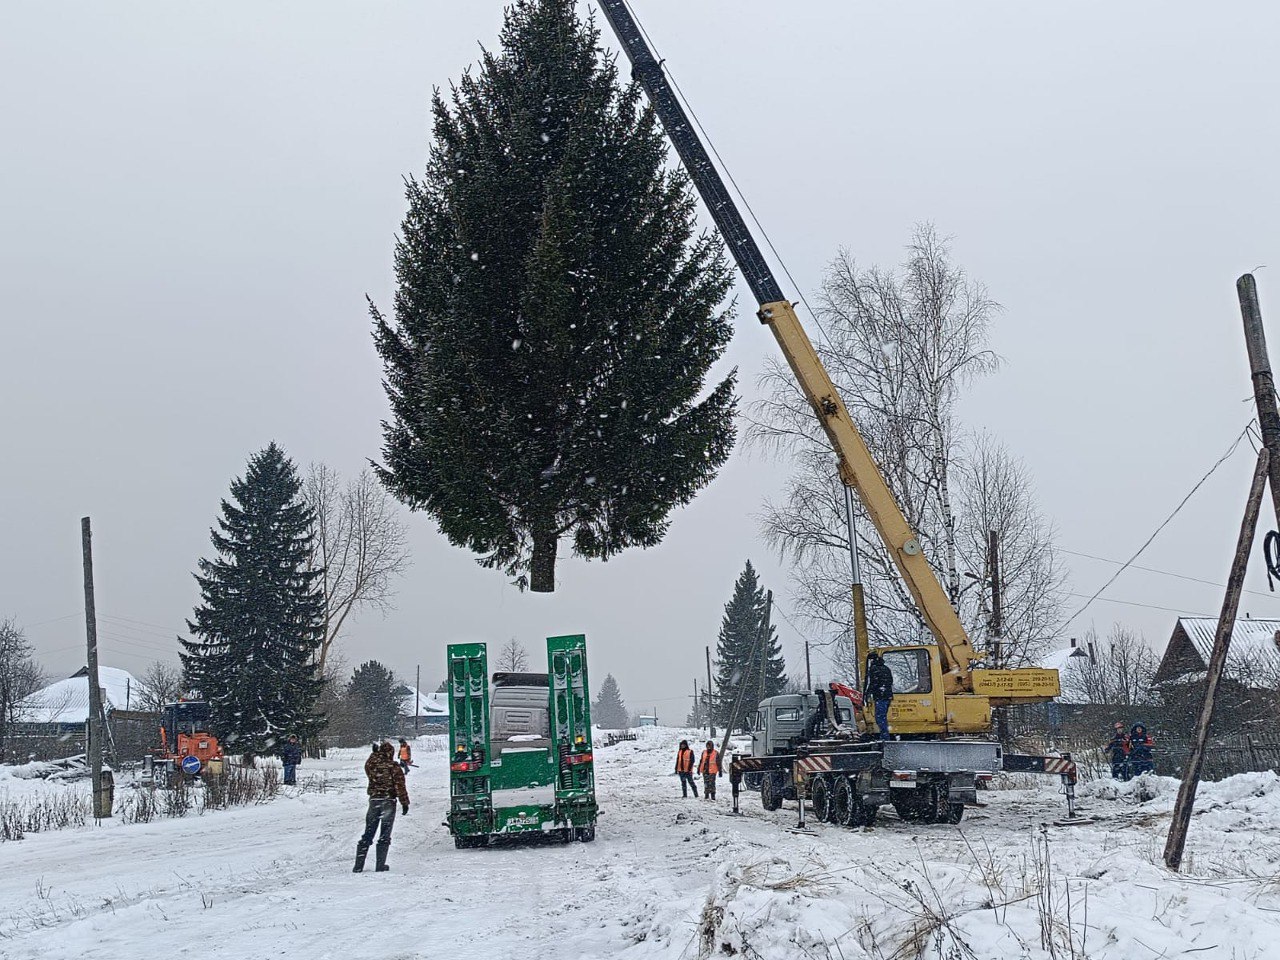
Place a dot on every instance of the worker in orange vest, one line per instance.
(684, 769)
(406, 756)
(709, 767)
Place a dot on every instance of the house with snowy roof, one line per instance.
(428, 709)
(1253, 659)
(1248, 697)
(66, 702)
(1073, 665)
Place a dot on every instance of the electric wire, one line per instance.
(1176, 510)
(1163, 573)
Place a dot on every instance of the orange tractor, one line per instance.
(187, 749)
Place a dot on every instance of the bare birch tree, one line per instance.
(1119, 670)
(161, 684)
(20, 676)
(512, 658)
(901, 346)
(360, 542)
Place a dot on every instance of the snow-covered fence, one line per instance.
(1226, 755)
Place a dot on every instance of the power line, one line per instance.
(1149, 606)
(1165, 573)
(1176, 510)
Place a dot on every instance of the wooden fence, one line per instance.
(1225, 757)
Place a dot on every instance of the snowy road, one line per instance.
(666, 878)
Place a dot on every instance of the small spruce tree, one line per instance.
(556, 313)
(373, 699)
(751, 665)
(609, 712)
(260, 621)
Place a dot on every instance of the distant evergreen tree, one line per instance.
(609, 711)
(748, 661)
(261, 616)
(556, 315)
(373, 700)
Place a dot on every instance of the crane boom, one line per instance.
(857, 467)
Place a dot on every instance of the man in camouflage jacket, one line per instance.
(386, 788)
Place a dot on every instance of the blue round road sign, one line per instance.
(191, 765)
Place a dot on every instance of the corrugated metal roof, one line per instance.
(1252, 641)
(67, 701)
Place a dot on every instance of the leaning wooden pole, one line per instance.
(1264, 381)
(1217, 661)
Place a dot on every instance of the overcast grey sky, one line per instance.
(196, 198)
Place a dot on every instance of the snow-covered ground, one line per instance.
(666, 878)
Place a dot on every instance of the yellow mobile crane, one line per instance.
(948, 693)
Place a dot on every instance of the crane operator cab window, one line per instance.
(910, 669)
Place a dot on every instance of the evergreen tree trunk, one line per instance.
(542, 566)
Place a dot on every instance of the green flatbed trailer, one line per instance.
(527, 785)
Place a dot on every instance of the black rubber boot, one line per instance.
(362, 851)
(381, 854)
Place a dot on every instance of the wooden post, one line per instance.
(101, 797)
(708, 698)
(996, 626)
(1217, 662)
(1264, 382)
(808, 674)
(762, 639)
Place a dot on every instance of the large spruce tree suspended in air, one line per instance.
(751, 666)
(261, 617)
(556, 313)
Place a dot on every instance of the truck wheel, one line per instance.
(771, 788)
(820, 794)
(843, 803)
(585, 834)
(955, 811)
(911, 806)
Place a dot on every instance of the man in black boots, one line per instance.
(386, 788)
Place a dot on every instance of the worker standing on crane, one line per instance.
(880, 689)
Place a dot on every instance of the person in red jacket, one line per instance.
(709, 767)
(684, 769)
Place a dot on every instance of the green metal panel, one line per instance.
(570, 698)
(468, 699)
(470, 808)
(570, 707)
(526, 768)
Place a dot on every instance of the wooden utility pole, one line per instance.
(1217, 661)
(1264, 382)
(762, 641)
(996, 625)
(710, 701)
(101, 796)
(808, 673)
